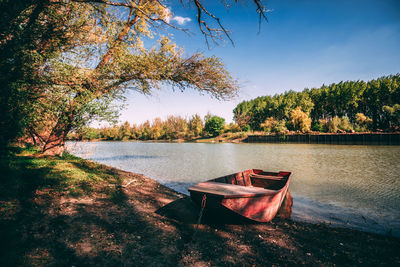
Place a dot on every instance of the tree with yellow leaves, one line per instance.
(300, 120)
(77, 56)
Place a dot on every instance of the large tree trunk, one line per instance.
(55, 144)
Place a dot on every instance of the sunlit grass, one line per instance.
(26, 173)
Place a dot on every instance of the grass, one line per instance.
(31, 184)
(68, 175)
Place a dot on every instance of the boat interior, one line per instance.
(256, 178)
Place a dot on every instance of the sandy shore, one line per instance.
(138, 222)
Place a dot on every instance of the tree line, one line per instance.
(174, 127)
(339, 107)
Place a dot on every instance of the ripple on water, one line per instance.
(351, 182)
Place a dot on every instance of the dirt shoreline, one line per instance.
(139, 222)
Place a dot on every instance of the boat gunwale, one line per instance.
(248, 195)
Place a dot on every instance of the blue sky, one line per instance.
(306, 43)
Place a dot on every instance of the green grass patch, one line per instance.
(26, 175)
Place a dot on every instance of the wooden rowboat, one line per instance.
(253, 194)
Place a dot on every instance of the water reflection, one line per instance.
(285, 211)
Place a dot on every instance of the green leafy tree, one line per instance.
(214, 126)
(342, 100)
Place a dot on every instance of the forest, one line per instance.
(339, 107)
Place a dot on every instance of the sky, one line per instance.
(304, 44)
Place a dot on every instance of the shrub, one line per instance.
(233, 128)
(363, 123)
(324, 125)
(246, 128)
(392, 115)
(273, 125)
(214, 126)
(299, 120)
(268, 124)
(280, 127)
(317, 127)
(339, 124)
(345, 124)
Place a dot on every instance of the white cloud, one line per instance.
(181, 20)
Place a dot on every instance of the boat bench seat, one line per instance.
(229, 190)
(259, 176)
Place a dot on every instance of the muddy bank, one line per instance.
(134, 221)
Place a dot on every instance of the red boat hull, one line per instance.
(253, 194)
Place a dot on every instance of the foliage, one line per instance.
(317, 127)
(88, 133)
(268, 124)
(233, 128)
(274, 126)
(64, 62)
(214, 126)
(256, 111)
(339, 125)
(344, 99)
(323, 124)
(299, 120)
(392, 115)
(174, 127)
(363, 123)
(246, 128)
(280, 127)
(196, 126)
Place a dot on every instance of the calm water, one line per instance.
(353, 186)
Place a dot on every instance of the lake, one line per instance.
(342, 185)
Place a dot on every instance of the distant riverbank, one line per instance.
(373, 138)
(70, 211)
(329, 138)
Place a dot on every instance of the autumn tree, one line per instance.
(271, 125)
(268, 124)
(196, 126)
(72, 58)
(363, 122)
(299, 120)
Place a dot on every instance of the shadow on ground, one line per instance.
(69, 211)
